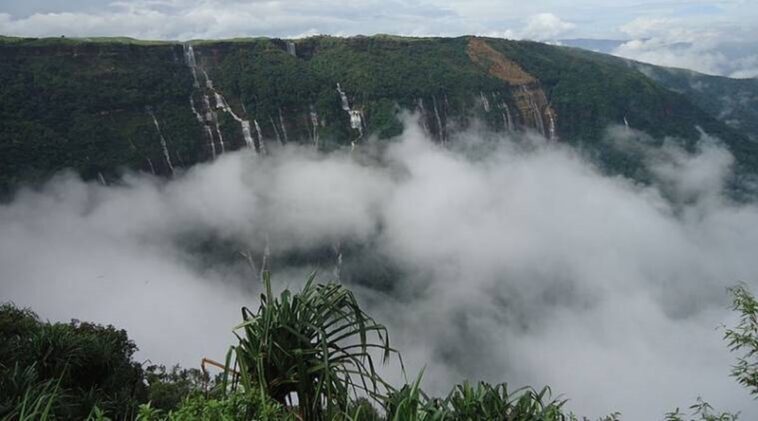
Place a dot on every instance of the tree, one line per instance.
(744, 338)
(81, 365)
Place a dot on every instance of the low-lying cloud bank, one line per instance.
(514, 261)
(716, 49)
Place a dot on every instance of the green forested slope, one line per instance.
(88, 104)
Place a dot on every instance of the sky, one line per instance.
(513, 261)
(715, 37)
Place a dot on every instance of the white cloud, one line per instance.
(662, 53)
(538, 27)
(745, 67)
(522, 264)
(187, 19)
(546, 26)
(680, 43)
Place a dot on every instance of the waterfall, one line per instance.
(220, 101)
(343, 97)
(626, 122)
(208, 110)
(551, 120)
(505, 112)
(247, 133)
(439, 120)
(101, 178)
(485, 102)
(202, 121)
(356, 116)
(276, 131)
(284, 129)
(150, 163)
(422, 110)
(164, 145)
(356, 120)
(209, 133)
(209, 116)
(224, 106)
(314, 123)
(189, 57)
(218, 132)
(536, 112)
(508, 120)
(195, 112)
(261, 143)
(208, 81)
(291, 48)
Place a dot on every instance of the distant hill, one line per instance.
(101, 105)
(733, 101)
(598, 45)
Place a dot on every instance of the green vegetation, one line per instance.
(168, 388)
(701, 411)
(306, 355)
(734, 100)
(84, 106)
(82, 103)
(65, 368)
(62, 40)
(314, 345)
(743, 339)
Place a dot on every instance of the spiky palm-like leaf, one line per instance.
(316, 344)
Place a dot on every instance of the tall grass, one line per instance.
(38, 402)
(480, 402)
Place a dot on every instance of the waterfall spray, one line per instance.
(356, 116)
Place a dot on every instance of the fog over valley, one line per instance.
(425, 210)
(496, 256)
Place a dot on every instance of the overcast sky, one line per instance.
(715, 37)
(182, 19)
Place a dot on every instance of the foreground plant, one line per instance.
(744, 338)
(92, 365)
(238, 405)
(481, 402)
(701, 411)
(316, 346)
(38, 402)
(300, 356)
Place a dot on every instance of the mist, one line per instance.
(512, 259)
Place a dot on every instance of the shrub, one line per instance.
(91, 365)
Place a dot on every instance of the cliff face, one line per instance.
(531, 102)
(98, 107)
(94, 108)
